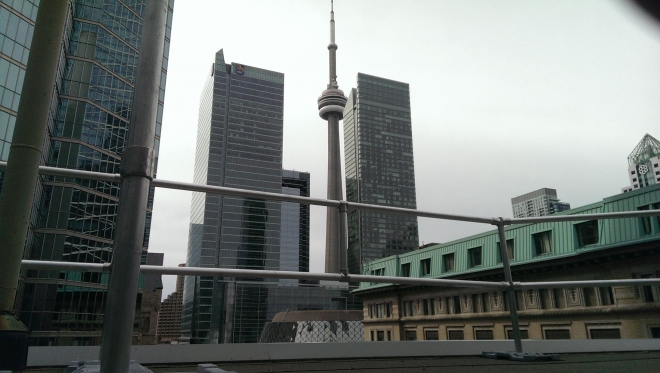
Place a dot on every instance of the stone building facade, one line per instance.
(593, 250)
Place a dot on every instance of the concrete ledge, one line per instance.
(179, 354)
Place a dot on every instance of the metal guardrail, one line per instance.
(344, 207)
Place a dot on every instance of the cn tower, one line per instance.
(331, 108)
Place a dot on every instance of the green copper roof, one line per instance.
(565, 239)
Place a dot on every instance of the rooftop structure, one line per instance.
(540, 202)
(644, 164)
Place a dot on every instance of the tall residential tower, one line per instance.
(540, 202)
(380, 169)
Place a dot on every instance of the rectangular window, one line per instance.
(380, 335)
(524, 334)
(645, 221)
(425, 306)
(557, 334)
(372, 335)
(606, 296)
(474, 256)
(543, 242)
(411, 335)
(509, 251)
(648, 291)
(587, 233)
(560, 298)
(431, 335)
(425, 267)
(485, 302)
(545, 296)
(448, 262)
(610, 333)
(405, 270)
(476, 304)
(483, 334)
(455, 335)
(590, 299)
(457, 304)
(389, 335)
(655, 332)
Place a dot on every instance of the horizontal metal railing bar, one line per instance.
(54, 171)
(420, 213)
(256, 273)
(65, 266)
(67, 172)
(235, 192)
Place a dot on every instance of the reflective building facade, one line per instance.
(74, 220)
(239, 145)
(16, 28)
(294, 235)
(379, 169)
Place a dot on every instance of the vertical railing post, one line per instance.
(511, 295)
(343, 237)
(137, 168)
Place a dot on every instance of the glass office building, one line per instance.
(239, 145)
(294, 235)
(74, 220)
(379, 169)
(16, 28)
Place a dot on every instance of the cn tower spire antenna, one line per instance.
(332, 48)
(331, 108)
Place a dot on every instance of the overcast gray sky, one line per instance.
(507, 96)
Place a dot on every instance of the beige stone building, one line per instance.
(593, 250)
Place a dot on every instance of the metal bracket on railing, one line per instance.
(137, 161)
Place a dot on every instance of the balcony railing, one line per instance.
(344, 207)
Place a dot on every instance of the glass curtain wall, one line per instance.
(75, 219)
(379, 169)
(240, 146)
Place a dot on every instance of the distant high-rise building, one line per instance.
(239, 145)
(169, 317)
(540, 202)
(380, 169)
(72, 219)
(152, 293)
(294, 235)
(644, 164)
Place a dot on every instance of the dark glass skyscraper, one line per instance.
(379, 169)
(294, 237)
(239, 144)
(74, 220)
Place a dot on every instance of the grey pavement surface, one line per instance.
(582, 363)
